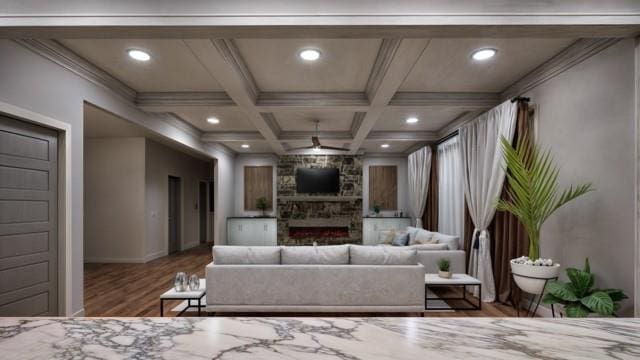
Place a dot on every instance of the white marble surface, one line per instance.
(318, 338)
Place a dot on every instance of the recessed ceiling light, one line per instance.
(484, 54)
(213, 120)
(384, 146)
(309, 54)
(138, 54)
(245, 146)
(412, 120)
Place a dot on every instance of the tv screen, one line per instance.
(319, 180)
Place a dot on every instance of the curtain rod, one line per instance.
(449, 136)
(520, 98)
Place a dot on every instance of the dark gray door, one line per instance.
(174, 214)
(202, 211)
(28, 219)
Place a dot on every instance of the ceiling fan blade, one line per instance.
(301, 148)
(333, 148)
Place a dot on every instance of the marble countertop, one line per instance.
(318, 338)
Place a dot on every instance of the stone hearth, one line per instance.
(322, 218)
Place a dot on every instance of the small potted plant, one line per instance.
(444, 268)
(261, 204)
(376, 209)
(532, 198)
(578, 296)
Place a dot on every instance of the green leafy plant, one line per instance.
(444, 264)
(580, 298)
(376, 209)
(261, 204)
(533, 188)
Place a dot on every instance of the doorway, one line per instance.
(28, 219)
(174, 214)
(202, 211)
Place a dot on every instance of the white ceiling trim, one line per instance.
(324, 135)
(413, 148)
(271, 121)
(356, 122)
(465, 99)
(217, 136)
(168, 101)
(578, 52)
(403, 135)
(57, 53)
(224, 63)
(277, 101)
(458, 122)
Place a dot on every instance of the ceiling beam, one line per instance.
(323, 135)
(223, 61)
(403, 135)
(395, 60)
(281, 101)
(463, 99)
(170, 101)
(217, 136)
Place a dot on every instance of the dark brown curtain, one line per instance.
(508, 238)
(430, 216)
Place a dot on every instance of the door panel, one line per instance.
(28, 219)
(202, 211)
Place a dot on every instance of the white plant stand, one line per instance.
(189, 296)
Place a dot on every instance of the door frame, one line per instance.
(180, 215)
(65, 162)
(206, 210)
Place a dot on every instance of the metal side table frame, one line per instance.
(535, 310)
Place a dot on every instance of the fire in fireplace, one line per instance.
(318, 232)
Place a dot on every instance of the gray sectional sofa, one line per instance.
(343, 278)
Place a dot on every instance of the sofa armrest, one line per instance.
(429, 259)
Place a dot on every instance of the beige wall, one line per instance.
(114, 200)
(586, 116)
(401, 163)
(243, 160)
(162, 162)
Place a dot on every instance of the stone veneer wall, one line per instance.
(350, 168)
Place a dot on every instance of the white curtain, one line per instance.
(450, 189)
(483, 175)
(419, 167)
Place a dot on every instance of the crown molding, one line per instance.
(305, 135)
(458, 122)
(158, 101)
(231, 53)
(273, 101)
(57, 53)
(573, 55)
(381, 65)
(464, 99)
(271, 121)
(180, 123)
(403, 135)
(356, 122)
(216, 136)
(415, 147)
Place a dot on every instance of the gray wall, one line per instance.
(34, 83)
(586, 116)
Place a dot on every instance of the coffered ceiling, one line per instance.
(361, 91)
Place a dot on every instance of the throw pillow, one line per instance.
(386, 236)
(412, 232)
(452, 241)
(401, 239)
(424, 237)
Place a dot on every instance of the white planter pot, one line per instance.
(444, 274)
(531, 279)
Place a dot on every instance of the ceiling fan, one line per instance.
(316, 146)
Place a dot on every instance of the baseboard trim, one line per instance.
(114, 260)
(155, 255)
(189, 245)
(79, 313)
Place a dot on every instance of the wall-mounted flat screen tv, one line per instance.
(317, 180)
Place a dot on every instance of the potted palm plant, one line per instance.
(532, 197)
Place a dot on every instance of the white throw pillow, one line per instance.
(423, 237)
(386, 236)
(452, 241)
(412, 233)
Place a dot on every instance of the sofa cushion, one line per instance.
(382, 255)
(401, 239)
(452, 241)
(429, 247)
(386, 236)
(246, 255)
(413, 231)
(423, 236)
(315, 255)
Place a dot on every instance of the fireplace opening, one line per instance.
(319, 232)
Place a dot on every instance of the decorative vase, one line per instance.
(532, 278)
(444, 274)
(194, 282)
(181, 282)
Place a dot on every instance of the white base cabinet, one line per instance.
(252, 231)
(372, 226)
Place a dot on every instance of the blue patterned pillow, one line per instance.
(401, 239)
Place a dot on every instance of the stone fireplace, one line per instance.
(322, 218)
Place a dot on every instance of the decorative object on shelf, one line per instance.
(532, 198)
(444, 266)
(579, 297)
(376, 209)
(181, 282)
(261, 204)
(194, 282)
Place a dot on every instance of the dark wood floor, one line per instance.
(134, 289)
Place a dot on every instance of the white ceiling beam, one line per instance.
(462, 99)
(282, 101)
(323, 135)
(403, 135)
(217, 136)
(223, 61)
(176, 100)
(395, 60)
